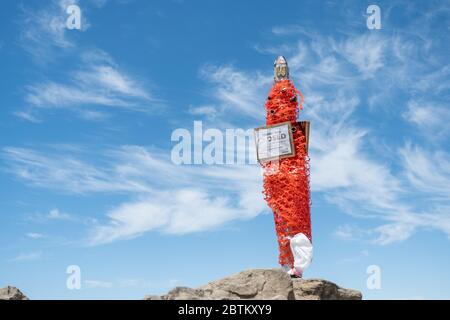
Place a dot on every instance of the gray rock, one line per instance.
(152, 297)
(184, 293)
(317, 289)
(11, 293)
(264, 284)
(267, 284)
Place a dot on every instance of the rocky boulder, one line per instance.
(11, 293)
(264, 284)
(317, 289)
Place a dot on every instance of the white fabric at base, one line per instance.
(302, 250)
(285, 268)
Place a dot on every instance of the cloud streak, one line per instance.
(25, 257)
(98, 83)
(169, 198)
(44, 32)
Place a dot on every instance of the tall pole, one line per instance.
(285, 164)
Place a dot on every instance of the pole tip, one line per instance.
(281, 69)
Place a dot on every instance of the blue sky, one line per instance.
(86, 118)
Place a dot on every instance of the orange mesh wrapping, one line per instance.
(286, 181)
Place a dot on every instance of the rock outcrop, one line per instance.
(11, 293)
(317, 289)
(264, 284)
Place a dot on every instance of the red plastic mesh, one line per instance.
(286, 181)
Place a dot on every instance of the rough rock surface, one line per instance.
(264, 284)
(11, 293)
(317, 289)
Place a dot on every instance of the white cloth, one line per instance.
(302, 250)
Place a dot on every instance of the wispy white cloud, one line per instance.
(99, 3)
(167, 198)
(97, 284)
(27, 116)
(44, 32)
(437, 81)
(427, 171)
(120, 283)
(34, 235)
(283, 30)
(439, 218)
(431, 118)
(178, 211)
(66, 173)
(395, 232)
(365, 52)
(93, 115)
(55, 214)
(209, 111)
(98, 83)
(350, 232)
(135, 283)
(102, 70)
(24, 257)
(236, 92)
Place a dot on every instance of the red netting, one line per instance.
(286, 181)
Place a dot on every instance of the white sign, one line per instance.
(274, 142)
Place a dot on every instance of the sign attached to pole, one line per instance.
(274, 142)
